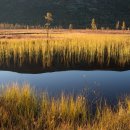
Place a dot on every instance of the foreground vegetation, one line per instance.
(67, 50)
(22, 109)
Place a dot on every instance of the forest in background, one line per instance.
(65, 12)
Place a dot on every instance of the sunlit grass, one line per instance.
(67, 49)
(22, 109)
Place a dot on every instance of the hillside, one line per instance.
(77, 12)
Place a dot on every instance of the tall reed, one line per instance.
(22, 109)
(72, 49)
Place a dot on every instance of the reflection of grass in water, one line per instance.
(69, 50)
(21, 109)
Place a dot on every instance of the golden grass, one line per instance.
(67, 49)
(21, 109)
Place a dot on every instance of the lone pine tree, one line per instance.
(93, 24)
(123, 25)
(117, 25)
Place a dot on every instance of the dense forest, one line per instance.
(77, 12)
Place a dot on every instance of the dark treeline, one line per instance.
(76, 12)
(93, 25)
(18, 26)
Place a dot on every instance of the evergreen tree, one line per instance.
(70, 26)
(117, 25)
(93, 24)
(123, 25)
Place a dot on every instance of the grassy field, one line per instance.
(22, 109)
(67, 49)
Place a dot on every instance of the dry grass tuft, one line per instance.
(21, 109)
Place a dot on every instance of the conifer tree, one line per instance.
(117, 25)
(70, 26)
(93, 24)
(123, 25)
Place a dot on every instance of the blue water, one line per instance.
(106, 84)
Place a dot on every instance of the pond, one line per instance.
(96, 66)
(96, 84)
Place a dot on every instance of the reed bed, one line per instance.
(22, 109)
(67, 50)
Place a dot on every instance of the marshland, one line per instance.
(70, 79)
(67, 49)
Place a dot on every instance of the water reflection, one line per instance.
(36, 68)
(106, 84)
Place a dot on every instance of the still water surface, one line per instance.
(96, 84)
